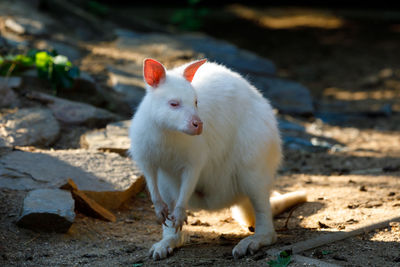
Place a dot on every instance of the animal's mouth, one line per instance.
(196, 131)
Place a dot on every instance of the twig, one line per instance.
(285, 227)
(29, 241)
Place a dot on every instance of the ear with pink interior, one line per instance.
(153, 72)
(190, 70)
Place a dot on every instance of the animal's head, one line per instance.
(173, 99)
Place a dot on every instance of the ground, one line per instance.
(353, 70)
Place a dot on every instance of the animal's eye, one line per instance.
(174, 103)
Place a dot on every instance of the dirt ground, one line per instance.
(352, 70)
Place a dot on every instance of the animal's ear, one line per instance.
(153, 72)
(190, 70)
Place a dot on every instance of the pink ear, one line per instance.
(153, 72)
(190, 70)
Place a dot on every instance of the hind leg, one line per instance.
(257, 190)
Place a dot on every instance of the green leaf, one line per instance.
(43, 60)
(24, 60)
(1, 60)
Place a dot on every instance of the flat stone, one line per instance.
(113, 137)
(92, 171)
(75, 113)
(287, 96)
(29, 126)
(47, 210)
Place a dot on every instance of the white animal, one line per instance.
(207, 139)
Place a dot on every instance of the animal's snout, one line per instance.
(198, 124)
(195, 126)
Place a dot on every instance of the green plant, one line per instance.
(282, 260)
(97, 8)
(190, 17)
(57, 69)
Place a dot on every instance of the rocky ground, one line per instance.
(336, 90)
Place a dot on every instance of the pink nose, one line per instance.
(196, 125)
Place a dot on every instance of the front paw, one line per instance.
(162, 249)
(161, 210)
(178, 218)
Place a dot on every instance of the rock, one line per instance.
(10, 82)
(29, 126)
(164, 48)
(228, 54)
(75, 113)
(47, 210)
(22, 25)
(287, 96)
(285, 125)
(7, 96)
(4, 147)
(12, 25)
(113, 137)
(50, 169)
(71, 52)
(302, 144)
(86, 205)
(127, 81)
(14, 40)
(109, 199)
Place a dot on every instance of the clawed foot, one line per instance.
(178, 218)
(162, 249)
(162, 212)
(166, 246)
(252, 244)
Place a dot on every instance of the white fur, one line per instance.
(232, 163)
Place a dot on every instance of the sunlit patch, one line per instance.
(278, 18)
(378, 94)
(215, 223)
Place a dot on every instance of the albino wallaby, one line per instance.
(207, 139)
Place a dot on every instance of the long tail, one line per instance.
(281, 202)
(243, 212)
